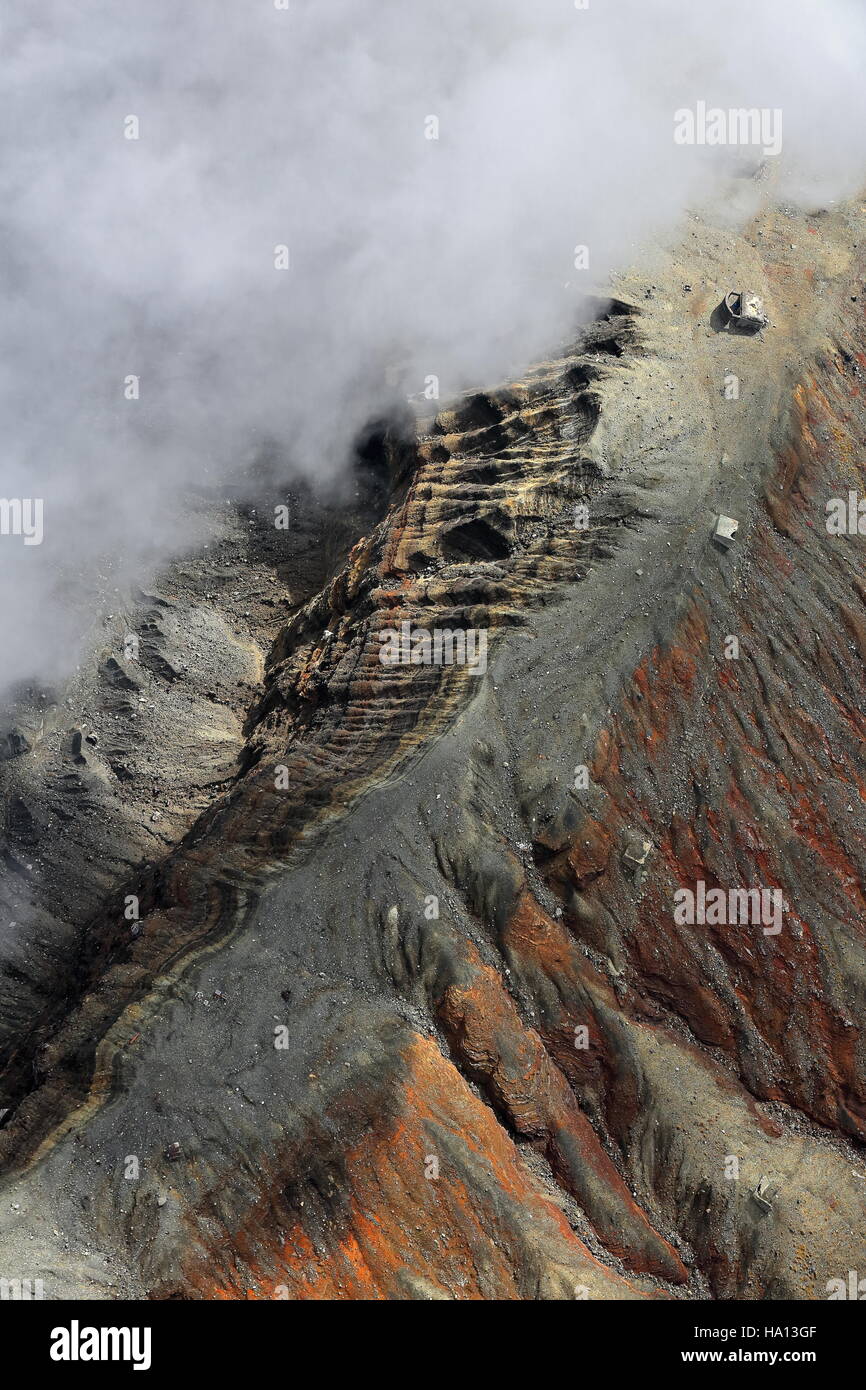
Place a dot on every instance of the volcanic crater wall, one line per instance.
(402, 1015)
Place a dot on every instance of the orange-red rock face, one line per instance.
(439, 1205)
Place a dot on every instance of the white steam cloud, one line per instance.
(307, 127)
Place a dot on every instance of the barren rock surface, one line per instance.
(399, 1017)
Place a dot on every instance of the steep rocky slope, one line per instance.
(400, 1016)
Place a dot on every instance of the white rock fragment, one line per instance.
(725, 531)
